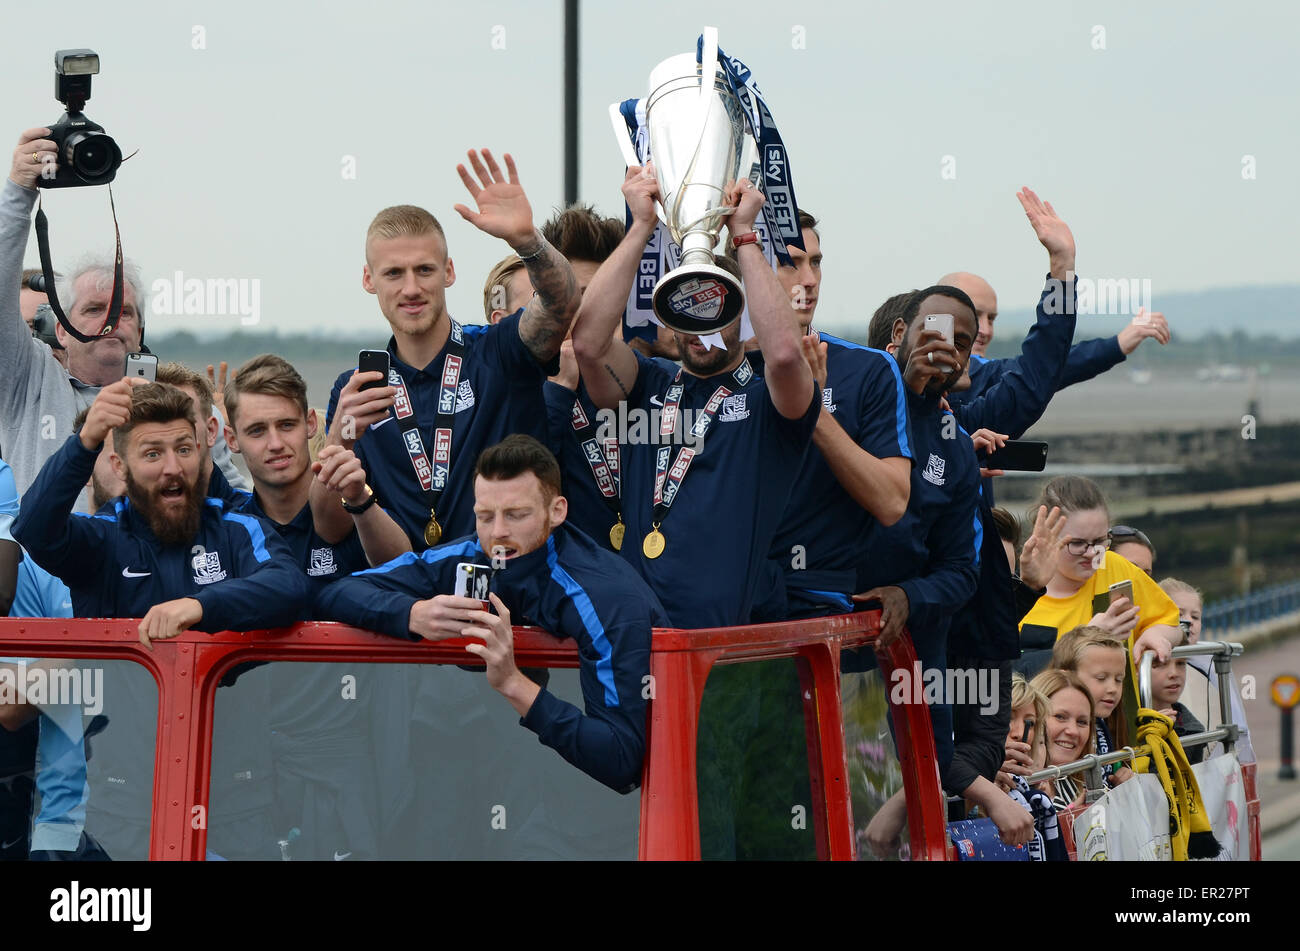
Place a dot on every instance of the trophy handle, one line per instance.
(621, 137)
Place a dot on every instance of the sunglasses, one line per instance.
(1124, 532)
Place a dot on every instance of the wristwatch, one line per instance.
(371, 498)
(749, 237)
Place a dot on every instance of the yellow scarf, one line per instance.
(1189, 827)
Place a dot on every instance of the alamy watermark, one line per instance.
(1121, 296)
(179, 296)
(635, 426)
(42, 684)
(957, 686)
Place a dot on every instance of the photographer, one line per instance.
(34, 386)
(29, 299)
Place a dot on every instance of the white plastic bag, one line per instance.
(1128, 823)
(1224, 794)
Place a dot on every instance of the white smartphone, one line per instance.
(941, 323)
(143, 365)
(474, 581)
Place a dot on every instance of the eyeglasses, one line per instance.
(1078, 546)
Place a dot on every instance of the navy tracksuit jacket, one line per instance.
(243, 575)
(570, 587)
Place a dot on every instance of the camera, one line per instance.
(43, 326)
(87, 155)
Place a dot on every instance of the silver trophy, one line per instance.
(699, 140)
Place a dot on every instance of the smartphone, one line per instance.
(941, 323)
(1020, 455)
(1024, 737)
(1100, 602)
(1120, 589)
(370, 361)
(474, 581)
(142, 365)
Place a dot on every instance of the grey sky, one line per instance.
(1139, 146)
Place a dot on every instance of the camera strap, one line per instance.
(47, 268)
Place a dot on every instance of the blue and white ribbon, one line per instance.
(779, 216)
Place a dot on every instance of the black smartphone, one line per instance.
(1024, 737)
(142, 365)
(1020, 455)
(369, 361)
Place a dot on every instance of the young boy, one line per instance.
(1167, 680)
(1100, 660)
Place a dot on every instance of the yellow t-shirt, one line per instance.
(1065, 614)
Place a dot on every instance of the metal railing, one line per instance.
(188, 669)
(1222, 652)
(1265, 604)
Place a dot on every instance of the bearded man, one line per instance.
(167, 553)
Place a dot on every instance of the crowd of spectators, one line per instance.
(805, 474)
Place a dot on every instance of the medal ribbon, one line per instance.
(432, 477)
(669, 479)
(604, 461)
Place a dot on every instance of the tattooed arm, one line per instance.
(546, 320)
(504, 212)
(608, 365)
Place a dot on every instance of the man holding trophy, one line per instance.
(701, 514)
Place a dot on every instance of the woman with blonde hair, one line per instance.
(1069, 732)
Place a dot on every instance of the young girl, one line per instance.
(1086, 568)
(1025, 749)
(1188, 600)
(1069, 731)
(1167, 680)
(1025, 752)
(1100, 660)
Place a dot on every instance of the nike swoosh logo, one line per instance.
(340, 856)
(656, 401)
(128, 573)
(9, 845)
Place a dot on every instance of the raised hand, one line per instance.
(1145, 326)
(503, 209)
(748, 201)
(358, 409)
(1053, 233)
(217, 380)
(640, 189)
(112, 408)
(31, 154)
(1038, 557)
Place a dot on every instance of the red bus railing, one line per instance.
(189, 668)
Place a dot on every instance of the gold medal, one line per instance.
(616, 534)
(654, 543)
(432, 531)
